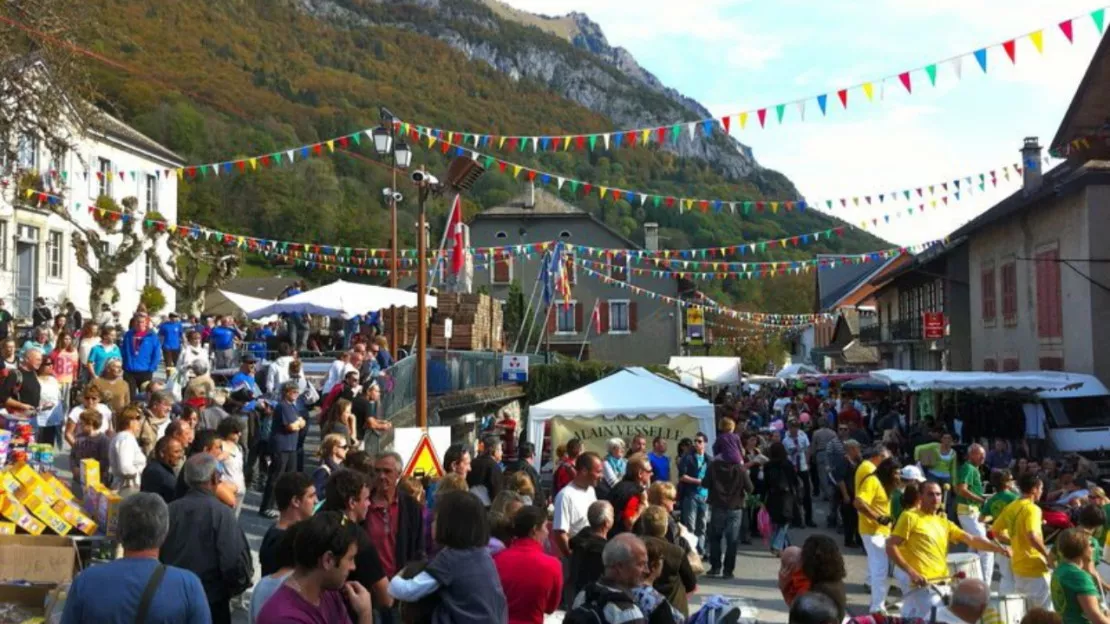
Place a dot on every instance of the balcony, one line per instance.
(871, 334)
(905, 330)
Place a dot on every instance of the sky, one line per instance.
(738, 55)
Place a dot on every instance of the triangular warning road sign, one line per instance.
(424, 461)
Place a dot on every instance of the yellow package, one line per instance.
(9, 483)
(7, 528)
(72, 513)
(43, 512)
(40, 492)
(59, 488)
(26, 474)
(12, 510)
(110, 519)
(90, 472)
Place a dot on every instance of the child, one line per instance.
(91, 443)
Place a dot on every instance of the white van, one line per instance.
(1078, 420)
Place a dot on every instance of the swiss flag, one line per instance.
(455, 228)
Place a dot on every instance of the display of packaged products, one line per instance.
(60, 489)
(43, 511)
(72, 513)
(11, 509)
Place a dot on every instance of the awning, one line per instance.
(344, 300)
(1020, 381)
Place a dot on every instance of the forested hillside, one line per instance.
(219, 79)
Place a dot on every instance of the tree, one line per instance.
(94, 254)
(189, 255)
(514, 312)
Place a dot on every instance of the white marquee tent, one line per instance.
(344, 300)
(706, 371)
(607, 408)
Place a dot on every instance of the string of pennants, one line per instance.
(761, 318)
(672, 258)
(1081, 142)
(673, 132)
(923, 196)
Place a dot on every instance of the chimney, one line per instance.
(1031, 166)
(651, 236)
(531, 201)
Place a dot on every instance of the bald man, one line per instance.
(969, 601)
(815, 608)
(969, 501)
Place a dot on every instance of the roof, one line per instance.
(856, 353)
(628, 392)
(932, 253)
(836, 283)
(1063, 179)
(109, 126)
(260, 287)
(1089, 110)
(547, 206)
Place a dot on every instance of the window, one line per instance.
(150, 273)
(989, 310)
(104, 177)
(502, 267)
(151, 194)
(1050, 315)
(27, 152)
(1051, 363)
(501, 235)
(566, 318)
(58, 161)
(1009, 294)
(3, 245)
(990, 365)
(54, 255)
(618, 266)
(618, 317)
(564, 234)
(1011, 364)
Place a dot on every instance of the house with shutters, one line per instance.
(36, 253)
(628, 328)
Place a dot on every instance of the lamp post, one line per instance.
(386, 143)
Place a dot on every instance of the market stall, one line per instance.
(629, 402)
(342, 299)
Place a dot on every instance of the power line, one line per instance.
(1097, 260)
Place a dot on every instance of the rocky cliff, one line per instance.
(568, 54)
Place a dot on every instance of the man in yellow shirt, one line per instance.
(873, 504)
(919, 549)
(1020, 524)
(872, 457)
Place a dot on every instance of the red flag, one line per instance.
(455, 229)
(595, 318)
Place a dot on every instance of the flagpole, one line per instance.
(589, 326)
(524, 319)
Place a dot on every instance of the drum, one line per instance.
(1005, 609)
(964, 566)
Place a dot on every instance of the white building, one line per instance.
(36, 254)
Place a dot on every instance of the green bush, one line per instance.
(551, 380)
(153, 298)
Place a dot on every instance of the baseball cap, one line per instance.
(913, 473)
(249, 359)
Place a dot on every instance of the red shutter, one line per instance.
(988, 299)
(1010, 365)
(632, 320)
(1050, 314)
(1056, 298)
(1009, 293)
(990, 365)
(552, 322)
(603, 312)
(1052, 363)
(501, 272)
(577, 317)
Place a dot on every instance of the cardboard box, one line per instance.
(45, 559)
(26, 475)
(7, 528)
(60, 489)
(9, 483)
(110, 519)
(72, 513)
(31, 598)
(44, 512)
(90, 472)
(11, 509)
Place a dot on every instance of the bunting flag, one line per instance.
(658, 135)
(906, 202)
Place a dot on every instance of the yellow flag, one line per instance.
(689, 204)
(566, 143)
(1037, 37)
(743, 120)
(516, 170)
(431, 141)
(254, 164)
(645, 136)
(30, 192)
(331, 146)
(869, 90)
(602, 190)
(180, 174)
(774, 207)
(501, 143)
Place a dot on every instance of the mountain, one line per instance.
(220, 79)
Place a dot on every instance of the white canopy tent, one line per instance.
(1028, 381)
(631, 401)
(707, 371)
(794, 370)
(344, 300)
(246, 303)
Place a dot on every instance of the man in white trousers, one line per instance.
(1020, 525)
(873, 504)
(969, 501)
(918, 546)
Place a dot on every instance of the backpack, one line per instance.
(595, 602)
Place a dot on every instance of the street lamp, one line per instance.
(462, 173)
(386, 143)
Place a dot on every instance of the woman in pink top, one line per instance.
(66, 360)
(532, 579)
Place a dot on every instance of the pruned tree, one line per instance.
(102, 260)
(189, 255)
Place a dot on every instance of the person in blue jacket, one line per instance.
(142, 353)
(171, 332)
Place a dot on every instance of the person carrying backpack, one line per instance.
(609, 600)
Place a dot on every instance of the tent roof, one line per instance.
(630, 390)
(343, 299)
(715, 370)
(1029, 381)
(246, 303)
